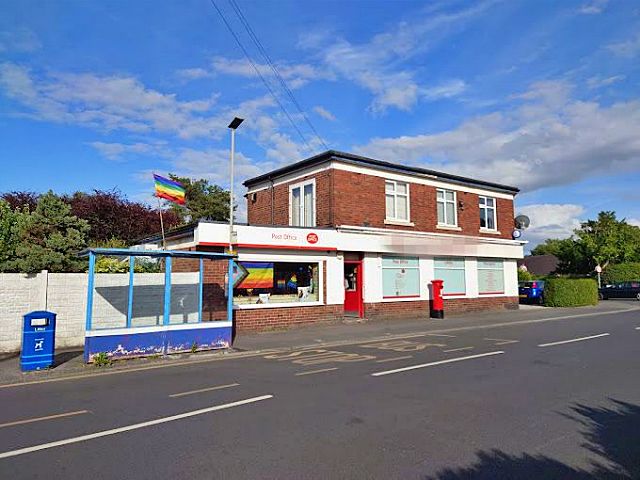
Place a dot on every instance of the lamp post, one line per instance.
(235, 123)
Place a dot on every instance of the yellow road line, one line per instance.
(202, 390)
(40, 419)
(384, 360)
(312, 372)
(458, 349)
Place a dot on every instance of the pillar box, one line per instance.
(437, 304)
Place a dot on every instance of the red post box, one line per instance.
(437, 304)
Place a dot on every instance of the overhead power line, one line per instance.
(274, 69)
(261, 76)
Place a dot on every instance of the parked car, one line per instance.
(620, 290)
(532, 291)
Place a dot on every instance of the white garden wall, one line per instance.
(66, 295)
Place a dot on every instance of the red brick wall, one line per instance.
(452, 306)
(259, 211)
(277, 318)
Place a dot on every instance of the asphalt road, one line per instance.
(557, 400)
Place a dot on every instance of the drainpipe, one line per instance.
(272, 200)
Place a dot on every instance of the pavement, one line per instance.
(533, 394)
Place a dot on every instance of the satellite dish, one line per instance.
(522, 222)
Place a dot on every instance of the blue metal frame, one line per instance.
(200, 290)
(167, 291)
(132, 261)
(92, 270)
(230, 291)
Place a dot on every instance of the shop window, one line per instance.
(276, 282)
(446, 204)
(302, 205)
(488, 213)
(397, 200)
(490, 276)
(451, 271)
(400, 277)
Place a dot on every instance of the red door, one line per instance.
(353, 288)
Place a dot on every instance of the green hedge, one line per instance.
(570, 292)
(621, 272)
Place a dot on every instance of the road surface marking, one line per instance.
(384, 360)
(202, 390)
(318, 356)
(401, 345)
(501, 341)
(441, 362)
(458, 349)
(136, 426)
(573, 340)
(39, 419)
(637, 328)
(440, 335)
(313, 372)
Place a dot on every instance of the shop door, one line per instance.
(353, 288)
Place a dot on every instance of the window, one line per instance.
(302, 205)
(276, 282)
(490, 276)
(397, 200)
(400, 277)
(451, 271)
(447, 215)
(488, 213)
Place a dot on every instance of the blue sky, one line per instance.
(538, 94)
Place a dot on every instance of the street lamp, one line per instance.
(235, 123)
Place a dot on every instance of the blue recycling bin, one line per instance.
(38, 340)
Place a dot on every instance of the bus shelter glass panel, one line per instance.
(185, 288)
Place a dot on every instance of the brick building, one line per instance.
(339, 234)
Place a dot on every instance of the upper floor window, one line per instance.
(488, 213)
(446, 201)
(397, 200)
(302, 204)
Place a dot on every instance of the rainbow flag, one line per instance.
(169, 189)
(260, 275)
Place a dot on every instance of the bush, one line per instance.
(621, 272)
(524, 276)
(569, 292)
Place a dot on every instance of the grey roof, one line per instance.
(379, 164)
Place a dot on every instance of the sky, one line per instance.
(542, 95)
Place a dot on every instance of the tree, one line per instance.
(202, 201)
(21, 200)
(111, 216)
(570, 258)
(50, 238)
(11, 224)
(608, 240)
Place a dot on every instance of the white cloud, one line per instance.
(295, 75)
(22, 40)
(378, 64)
(551, 220)
(599, 82)
(593, 7)
(107, 103)
(628, 48)
(452, 88)
(634, 221)
(547, 139)
(324, 113)
(116, 151)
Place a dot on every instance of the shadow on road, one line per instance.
(612, 434)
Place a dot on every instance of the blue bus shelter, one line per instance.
(165, 337)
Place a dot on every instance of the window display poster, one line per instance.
(260, 275)
(400, 277)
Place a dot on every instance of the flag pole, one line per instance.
(164, 242)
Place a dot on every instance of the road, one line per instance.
(541, 400)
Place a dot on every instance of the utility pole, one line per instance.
(235, 123)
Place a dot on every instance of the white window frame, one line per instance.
(301, 186)
(395, 201)
(487, 208)
(445, 202)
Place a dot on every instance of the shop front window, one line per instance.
(276, 282)
(490, 276)
(400, 277)
(452, 271)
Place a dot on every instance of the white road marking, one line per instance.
(384, 360)
(440, 335)
(136, 426)
(573, 340)
(637, 328)
(202, 390)
(39, 419)
(440, 362)
(458, 349)
(501, 341)
(312, 372)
